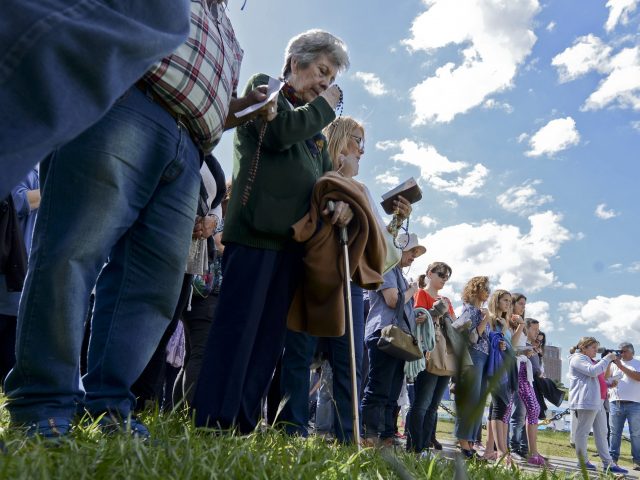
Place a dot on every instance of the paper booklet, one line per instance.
(409, 189)
(273, 87)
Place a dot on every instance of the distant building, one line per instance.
(552, 363)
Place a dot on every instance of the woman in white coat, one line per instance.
(587, 392)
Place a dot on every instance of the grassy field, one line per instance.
(179, 451)
(552, 443)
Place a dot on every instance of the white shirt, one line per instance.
(627, 389)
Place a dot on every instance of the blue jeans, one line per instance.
(618, 413)
(518, 441)
(381, 393)
(63, 63)
(468, 427)
(324, 401)
(247, 336)
(127, 215)
(422, 415)
(294, 380)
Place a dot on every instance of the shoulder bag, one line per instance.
(396, 342)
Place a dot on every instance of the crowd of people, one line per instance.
(140, 247)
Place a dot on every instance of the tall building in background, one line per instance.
(552, 363)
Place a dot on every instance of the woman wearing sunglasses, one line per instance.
(428, 387)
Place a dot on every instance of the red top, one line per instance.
(424, 300)
(603, 384)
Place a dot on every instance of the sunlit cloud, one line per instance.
(555, 136)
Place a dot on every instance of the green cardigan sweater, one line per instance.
(286, 173)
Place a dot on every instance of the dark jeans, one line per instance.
(7, 345)
(197, 323)
(380, 399)
(517, 434)
(296, 361)
(149, 388)
(247, 335)
(428, 391)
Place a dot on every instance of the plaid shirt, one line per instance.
(198, 80)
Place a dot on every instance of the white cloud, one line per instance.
(372, 83)
(523, 199)
(555, 136)
(587, 53)
(491, 104)
(427, 221)
(513, 259)
(602, 213)
(619, 11)
(636, 125)
(461, 179)
(565, 286)
(610, 319)
(387, 178)
(551, 26)
(540, 311)
(494, 39)
(621, 85)
(634, 267)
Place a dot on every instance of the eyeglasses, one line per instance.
(442, 275)
(359, 140)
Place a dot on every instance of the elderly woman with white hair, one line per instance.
(276, 165)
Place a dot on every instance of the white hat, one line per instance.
(411, 243)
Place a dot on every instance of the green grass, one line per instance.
(552, 443)
(179, 451)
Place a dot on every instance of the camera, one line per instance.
(606, 351)
(440, 309)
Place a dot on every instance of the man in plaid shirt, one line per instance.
(119, 205)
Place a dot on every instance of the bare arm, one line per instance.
(391, 296)
(632, 374)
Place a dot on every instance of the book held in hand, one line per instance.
(409, 189)
(273, 87)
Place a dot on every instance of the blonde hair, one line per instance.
(584, 342)
(473, 288)
(337, 133)
(494, 308)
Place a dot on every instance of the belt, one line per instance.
(145, 88)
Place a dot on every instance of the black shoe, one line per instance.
(435, 444)
(636, 466)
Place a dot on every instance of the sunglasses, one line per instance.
(359, 141)
(442, 275)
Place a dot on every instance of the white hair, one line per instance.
(308, 46)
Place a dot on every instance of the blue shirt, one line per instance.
(381, 314)
(9, 301)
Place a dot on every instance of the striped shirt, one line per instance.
(198, 80)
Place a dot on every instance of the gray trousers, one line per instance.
(585, 420)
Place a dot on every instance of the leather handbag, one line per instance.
(442, 359)
(396, 342)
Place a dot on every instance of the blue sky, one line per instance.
(520, 119)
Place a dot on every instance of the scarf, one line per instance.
(315, 143)
(425, 335)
